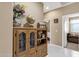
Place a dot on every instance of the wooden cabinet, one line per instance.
(25, 43)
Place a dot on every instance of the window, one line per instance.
(74, 25)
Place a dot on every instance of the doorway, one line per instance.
(48, 30)
(70, 31)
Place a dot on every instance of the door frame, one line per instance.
(64, 34)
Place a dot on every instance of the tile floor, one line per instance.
(57, 51)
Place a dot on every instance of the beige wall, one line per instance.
(56, 29)
(6, 29)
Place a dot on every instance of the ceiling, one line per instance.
(48, 6)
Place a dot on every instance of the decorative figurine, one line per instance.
(30, 20)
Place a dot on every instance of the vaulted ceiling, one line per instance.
(48, 6)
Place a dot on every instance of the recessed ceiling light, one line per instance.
(47, 7)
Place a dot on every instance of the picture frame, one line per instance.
(56, 20)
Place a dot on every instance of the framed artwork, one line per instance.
(56, 20)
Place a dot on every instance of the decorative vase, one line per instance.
(17, 22)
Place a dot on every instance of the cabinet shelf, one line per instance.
(41, 36)
(41, 29)
(40, 42)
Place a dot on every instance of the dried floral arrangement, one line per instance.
(18, 11)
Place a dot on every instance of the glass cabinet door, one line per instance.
(32, 39)
(21, 41)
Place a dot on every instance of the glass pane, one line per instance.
(32, 39)
(74, 21)
(75, 27)
(22, 41)
(74, 24)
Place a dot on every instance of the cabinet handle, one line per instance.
(15, 52)
(36, 50)
(15, 34)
